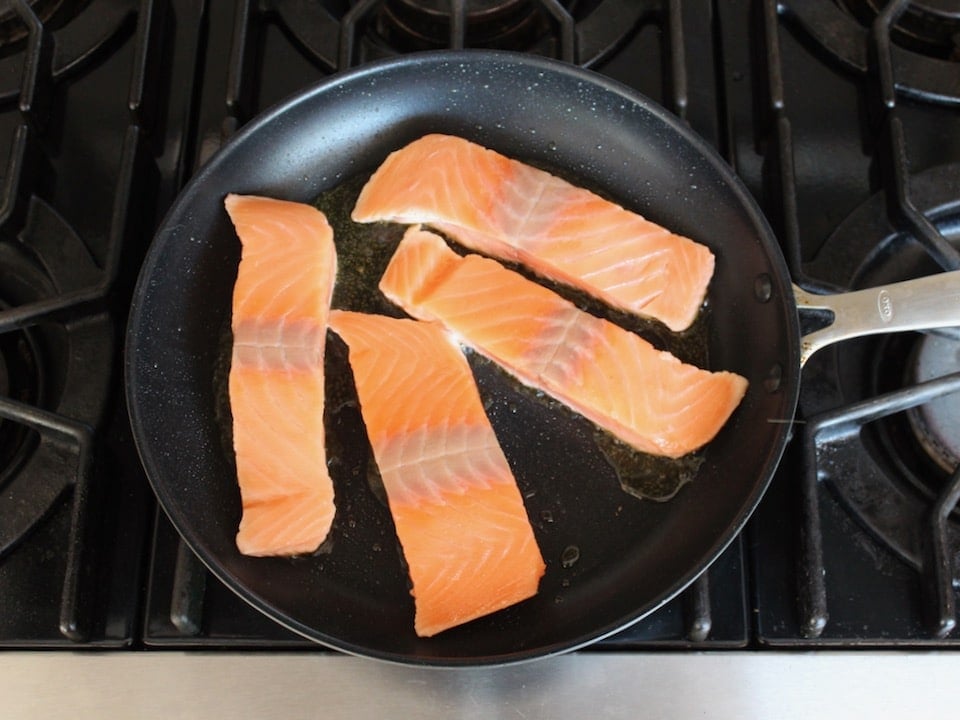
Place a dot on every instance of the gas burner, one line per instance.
(412, 25)
(894, 467)
(338, 33)
(936, 424)
(20, 380)
(78, 28)
(924, 41)
(60, 367)
(927, 27)
(12, 27)
(915, 445)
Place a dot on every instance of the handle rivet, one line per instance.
(763, 288)
(772, 382)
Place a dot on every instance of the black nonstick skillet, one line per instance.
(612, 558)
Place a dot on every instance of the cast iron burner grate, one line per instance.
(926, 27)
(869, 395)
(20, 381)
(936, 425)
(12, 26)
(58, 394)
(58, 341)
(848, 414)
(339, 34)
(922, 38)
(55, 37)
(48, 368)
(431, 24)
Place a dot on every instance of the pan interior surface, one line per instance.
(632, 555)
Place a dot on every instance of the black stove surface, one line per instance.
(842, 120)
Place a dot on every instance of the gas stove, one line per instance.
(842, 118)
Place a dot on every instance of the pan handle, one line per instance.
(922, 304)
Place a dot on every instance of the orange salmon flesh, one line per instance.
(281, 303)
(512, 211)
(459, 515)
(644, 396)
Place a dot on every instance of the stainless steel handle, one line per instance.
(922, 304)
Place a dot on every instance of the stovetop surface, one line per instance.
(100, 143)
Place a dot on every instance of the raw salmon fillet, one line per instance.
(459, 516)
(281, 302)
(644, 396)
(509, 210)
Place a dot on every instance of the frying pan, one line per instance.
(611, 558)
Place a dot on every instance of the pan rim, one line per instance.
(147, 449)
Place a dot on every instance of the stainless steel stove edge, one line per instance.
(580, 685)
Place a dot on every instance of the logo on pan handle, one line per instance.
(885, 306)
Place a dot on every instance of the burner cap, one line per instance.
(47, 367)
(888, 473)
(425, 24)
(20, 381)
(937, 424)
(12, 28)
(928, 27)
(4, 378)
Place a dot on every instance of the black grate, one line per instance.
(341, 35)
(49, 41)
(832, 447)
(850, 38)
(77, 307)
